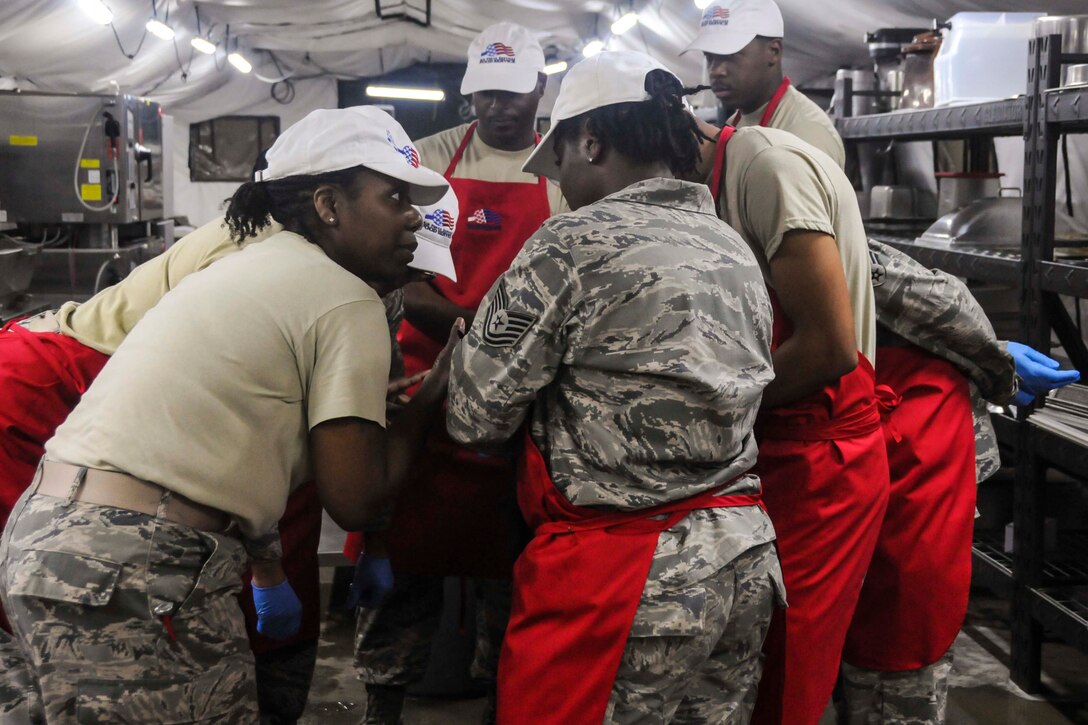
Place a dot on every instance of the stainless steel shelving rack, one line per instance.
(1046, 590)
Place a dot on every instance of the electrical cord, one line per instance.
(124, 52)
(79, 157)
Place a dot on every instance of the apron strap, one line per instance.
(772, 105)
(460, 150)
(719, 161)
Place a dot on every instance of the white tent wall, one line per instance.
(51, 45)
(202, 201)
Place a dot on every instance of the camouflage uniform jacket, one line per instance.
(937, 313)
(640, 328)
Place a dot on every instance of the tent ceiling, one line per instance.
(52, 45)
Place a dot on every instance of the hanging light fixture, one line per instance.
(557, 67)
(625, 23)
(406, 94)
(202, 45)
(592, 48)
(97, 10)
(159, 29)
(239, 61)
(199, 42)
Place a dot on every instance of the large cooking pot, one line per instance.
(1074, 32)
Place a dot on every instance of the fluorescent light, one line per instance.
(625, 23)
(407, 94)
(238, 61)
(159, 29)
(701, 4)
(98, 11)
(592, 48)
(557, 67)
(203, 45)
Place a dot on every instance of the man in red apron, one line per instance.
(742, 43)
(822, 457)
(633, 337)
(462, 520)
(938, 351)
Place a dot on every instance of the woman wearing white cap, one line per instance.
(119, 565)
(633, 335)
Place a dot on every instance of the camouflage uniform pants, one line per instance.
(393, 641)
(912, 697)
(283, 682)
(88, 588)
(703, 669)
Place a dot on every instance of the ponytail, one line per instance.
(248, 211)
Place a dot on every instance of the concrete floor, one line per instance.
(981, 692)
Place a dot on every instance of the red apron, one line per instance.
(577, 586)
(772, 105)
(915, 594)
(824, 470)
(463, 518)
(42, 377)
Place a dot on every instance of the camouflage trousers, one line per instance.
(705, 669)
(283, 682)
(393, 641)
(124, 617)
(912, 697)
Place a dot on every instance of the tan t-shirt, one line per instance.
(482, 162)
(213, 394)
(804, 119)
(775, 183)
(103, 321)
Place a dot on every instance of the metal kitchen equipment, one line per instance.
(956, 189)
(886, 49)
(17, 265)
(1074, 32)
(81, 159)
(994, 222)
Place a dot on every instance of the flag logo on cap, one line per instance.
(439, 222)
(715, 15)
(408, 151)
(498, 53)
(485, 219)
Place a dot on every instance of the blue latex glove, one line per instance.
(372, 582)
(279, 611)
(1038, 373)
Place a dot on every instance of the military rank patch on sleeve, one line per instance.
(879, 272)
(504, 327)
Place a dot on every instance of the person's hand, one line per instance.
(434, 385)
(372, 582)
(1038, 373)
(279, 611)
(395, 396)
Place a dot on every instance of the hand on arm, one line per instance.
(811, 287)
(359, 466)
(432, 313)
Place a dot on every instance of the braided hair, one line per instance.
(657, 129)
(289, 201)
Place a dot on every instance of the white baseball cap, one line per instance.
(331, 140)
(436, 235)
(729, 25)
(611, 76)
(504, 57)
